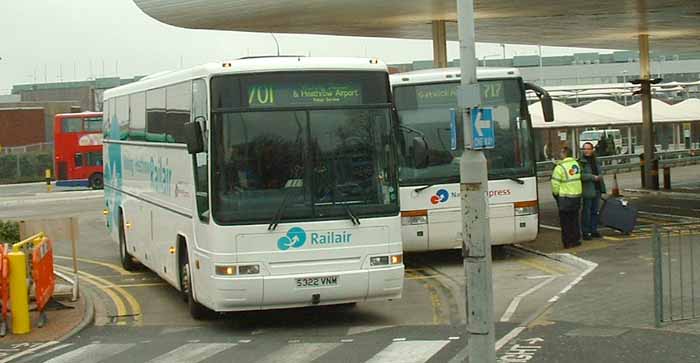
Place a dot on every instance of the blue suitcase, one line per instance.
(618, 215)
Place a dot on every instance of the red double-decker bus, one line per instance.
(78, 149)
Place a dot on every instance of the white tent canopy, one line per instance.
(608, 113)
(566, 116)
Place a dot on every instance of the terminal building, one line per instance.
(574, 80)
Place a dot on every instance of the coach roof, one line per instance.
(248, 65)
(449, 74)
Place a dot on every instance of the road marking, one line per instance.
(135, 306)
(521, 352)
(301, 352)
(49, 351)
(192, 353)
(434, 296)
(553, 228)
(591, 267)
(90, 353)
(516, 300)
(537, 277)
(420, 277)
(116, 268)
(28, 351)
(538, 264)
(508, 337)
(414, 351)
(116, 299)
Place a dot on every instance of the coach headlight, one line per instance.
(248, 269)
(526, 208)
(376, 261)
(233, 270)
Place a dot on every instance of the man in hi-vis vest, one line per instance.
(567, 190)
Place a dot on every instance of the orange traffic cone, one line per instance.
(616, 187)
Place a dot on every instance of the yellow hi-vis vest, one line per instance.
(566, 179)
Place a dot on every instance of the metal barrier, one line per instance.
(39, 147)
(676, 272)
(630, 162)
(40, 265)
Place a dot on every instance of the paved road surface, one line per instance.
(140, 317)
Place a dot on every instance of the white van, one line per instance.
(593, 136)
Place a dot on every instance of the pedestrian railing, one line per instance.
(31, 148)
(631, 162)
(676, 252)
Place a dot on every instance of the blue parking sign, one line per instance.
(483, 134)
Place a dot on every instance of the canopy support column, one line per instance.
(647, 122)
(439, 44)
(473, 173)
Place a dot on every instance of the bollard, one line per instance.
(19, 293)
(47, 175)
(655, 174)
(667, 177)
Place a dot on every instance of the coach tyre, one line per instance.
(197, 310)
(126, 259)
(96, 181)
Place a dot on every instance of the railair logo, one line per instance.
(295, 238)
(441, 196)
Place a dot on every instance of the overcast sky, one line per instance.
(67, 40)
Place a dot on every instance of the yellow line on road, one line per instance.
(538, 264)
(118, 302)
(140, 285)
(133, 304)
(420, 277)
(434, 297)
(114, 267)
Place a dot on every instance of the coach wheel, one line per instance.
(197, 310)
(96, 181)
(126, 259)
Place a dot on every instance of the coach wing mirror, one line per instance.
(420, 152)
(545, 101)
(193, 137)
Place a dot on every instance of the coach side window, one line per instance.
(201, 163)
(122, 110)
(137, 125)
(155, 116)
(178, 105)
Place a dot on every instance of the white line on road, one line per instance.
(90, 353)
(591, 266)
(48, 351)
(28, 351)
(508, 337)
(537, 277)
(414, 351)
(516, 300)
(192, 353)
(299, 352)
(553, 228)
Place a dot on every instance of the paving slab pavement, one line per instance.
(608, 316)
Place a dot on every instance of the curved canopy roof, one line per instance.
(608, 113)
(671, 24)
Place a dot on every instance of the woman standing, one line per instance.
(593, 188)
